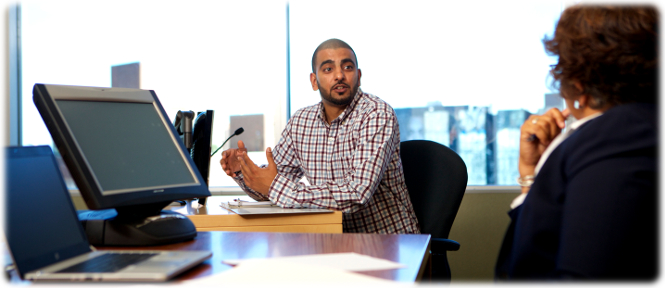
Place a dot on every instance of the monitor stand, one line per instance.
(139, 225)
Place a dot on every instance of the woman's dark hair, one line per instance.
(611, 50)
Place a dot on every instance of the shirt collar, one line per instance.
(346, 112)
(580, 122)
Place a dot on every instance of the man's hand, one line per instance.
(257, 178)
(536, 134)
(230, 162)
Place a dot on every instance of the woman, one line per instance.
(589, 191)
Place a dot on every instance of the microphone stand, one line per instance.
(237, 132)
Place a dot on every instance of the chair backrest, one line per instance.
(436, 178)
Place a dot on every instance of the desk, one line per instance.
(212, 217)
(411, 250)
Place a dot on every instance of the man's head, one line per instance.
(335, 72)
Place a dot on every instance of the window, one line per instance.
(197, 55)
(464, 74)
(461, 73)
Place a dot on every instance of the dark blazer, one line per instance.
(592, 210)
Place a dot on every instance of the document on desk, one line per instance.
(236, 203)
(344, 261)
(265, 207)
(277, 271)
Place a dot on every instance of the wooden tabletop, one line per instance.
(411, 250)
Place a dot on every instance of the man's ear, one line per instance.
(312, 78)
(359, 74)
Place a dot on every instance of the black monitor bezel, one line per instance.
(82, 174)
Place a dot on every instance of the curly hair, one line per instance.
(611, 50)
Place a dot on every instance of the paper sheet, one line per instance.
(343, 261)
(255, 272)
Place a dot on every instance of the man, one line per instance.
(347, 146)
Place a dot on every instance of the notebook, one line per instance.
(47, 242)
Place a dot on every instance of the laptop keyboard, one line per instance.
(107, 263)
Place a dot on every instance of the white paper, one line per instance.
(343, 261)
(236, 204)
(271, 271)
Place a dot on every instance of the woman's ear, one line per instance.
(584, 100)
(578, 86)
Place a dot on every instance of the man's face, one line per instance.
(337, 78)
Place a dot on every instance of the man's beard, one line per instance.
(339, 102)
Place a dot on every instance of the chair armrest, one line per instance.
(441, 245)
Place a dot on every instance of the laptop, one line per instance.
(47, 241)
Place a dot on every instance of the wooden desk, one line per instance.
(212, 217)
(411, 250)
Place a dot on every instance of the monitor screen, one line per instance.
(118, 145)
(126, 145)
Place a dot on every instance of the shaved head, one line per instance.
(332, 44)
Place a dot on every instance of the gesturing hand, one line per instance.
(230, 162)
(257, 178)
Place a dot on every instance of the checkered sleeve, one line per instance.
(286, 160)
(249, 191)
(371, 156)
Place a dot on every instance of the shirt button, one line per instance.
(331, 139)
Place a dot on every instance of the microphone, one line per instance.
(238, 132)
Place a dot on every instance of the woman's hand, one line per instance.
(537, 133)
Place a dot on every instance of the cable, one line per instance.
(238, 132)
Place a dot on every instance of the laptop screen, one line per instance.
(41, 224)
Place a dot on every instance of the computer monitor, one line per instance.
(199, 140)
(124, 154)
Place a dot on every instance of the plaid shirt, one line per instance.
(353, 165)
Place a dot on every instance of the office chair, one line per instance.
(436, 178)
